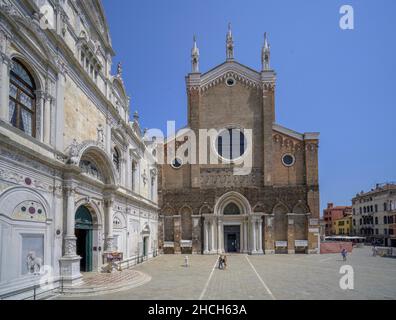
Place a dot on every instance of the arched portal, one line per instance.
(146, 240)
(83, 232)
(232, 232)
(233, 226)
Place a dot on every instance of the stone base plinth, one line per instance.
(70, 270)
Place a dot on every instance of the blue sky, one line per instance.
(341, 83)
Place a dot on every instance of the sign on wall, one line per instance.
(280, 244)
(301, 243)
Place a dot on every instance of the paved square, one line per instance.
(264, 277)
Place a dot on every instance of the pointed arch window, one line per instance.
(116, 158)
(22, 102)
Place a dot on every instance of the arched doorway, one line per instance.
(145, 242)
(83, 232)
(232, 233)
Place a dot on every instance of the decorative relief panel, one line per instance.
(29, 211)
(225, 177)
(91, 169)
(17, 178)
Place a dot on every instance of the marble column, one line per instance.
(241, 237)
(39, 115)
(5, 65)
(260, 236)
(206, 237)
(70, 238)
(5, 86)
(253, 237)
(59, 111)
(245, 237)
(108, 137)
(109, 244)
(47, 120)
(220, 236)
(213, 237)
(122, 169)
(70, 262)
(128, 176)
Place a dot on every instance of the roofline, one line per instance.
(227, 62)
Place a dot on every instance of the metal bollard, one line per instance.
(186, 261)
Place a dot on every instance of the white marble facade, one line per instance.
(73, 147)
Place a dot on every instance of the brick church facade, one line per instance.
(207, 208)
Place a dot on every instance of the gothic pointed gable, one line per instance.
(230, 68)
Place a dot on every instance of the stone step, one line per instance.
(106, 289)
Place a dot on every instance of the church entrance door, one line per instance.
(232, 238)
(83, 231)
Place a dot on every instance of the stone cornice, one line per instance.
(288, 132)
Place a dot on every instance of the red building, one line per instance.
(334, 213)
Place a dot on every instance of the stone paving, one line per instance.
(96, 279)
(264, 277)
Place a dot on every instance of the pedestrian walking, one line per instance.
(344, 254)
(225, 262)
(374, 251)
(221, 262)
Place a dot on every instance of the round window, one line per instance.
(288, 160)
(230, 82)
(176, 163)
(231, 144)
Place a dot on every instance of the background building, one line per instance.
(342, 226)
(331, 214)
(373, 214)
(74, 178)
(206, 208)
